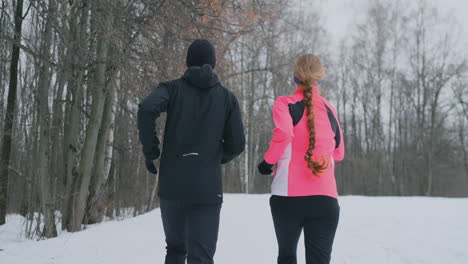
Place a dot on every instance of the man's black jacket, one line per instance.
(203, 130)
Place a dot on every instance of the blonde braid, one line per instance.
(309, 70)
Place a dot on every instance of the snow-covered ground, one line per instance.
(372, 230)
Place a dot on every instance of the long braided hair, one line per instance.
(308, 71)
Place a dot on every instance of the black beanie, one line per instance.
(201, 52)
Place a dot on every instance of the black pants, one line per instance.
(191, 231)
(317, 215)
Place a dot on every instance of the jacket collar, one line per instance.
(201, 77)
(300, 91)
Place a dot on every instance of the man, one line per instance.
(203, 130)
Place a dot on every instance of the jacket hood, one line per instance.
(202, 77)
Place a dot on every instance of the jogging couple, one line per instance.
(204, 130)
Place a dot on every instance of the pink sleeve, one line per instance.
(283, 132)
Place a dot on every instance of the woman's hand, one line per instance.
(265, 169)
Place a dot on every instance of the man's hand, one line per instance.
(265, 169)
(150, 166)
(152, 153)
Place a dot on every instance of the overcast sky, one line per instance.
(339, 14)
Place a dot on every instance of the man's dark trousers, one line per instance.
(191, 231)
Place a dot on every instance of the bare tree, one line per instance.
(9, 116)
(100, 90)
(43, 153)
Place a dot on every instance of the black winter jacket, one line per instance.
(203, 130)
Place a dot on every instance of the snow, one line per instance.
(371, 230)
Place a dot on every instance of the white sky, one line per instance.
(338, 15)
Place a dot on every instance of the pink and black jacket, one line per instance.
(290, 142)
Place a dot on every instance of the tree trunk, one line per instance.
(8, 127)
(43, 154)
(94, 122)
(104, 151)
(75, 96)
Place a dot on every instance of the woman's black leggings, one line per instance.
(317, 215)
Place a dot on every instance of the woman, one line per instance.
(307, 141)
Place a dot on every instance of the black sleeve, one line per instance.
(233, 134)
(148, 111)
(335, 127)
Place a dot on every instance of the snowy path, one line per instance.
(372, 230)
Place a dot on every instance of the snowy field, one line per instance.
(372, 230)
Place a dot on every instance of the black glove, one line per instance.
(150, 166)
(152, 154)
(265, 169)
(151, 149)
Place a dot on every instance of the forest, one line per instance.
(72, 73)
